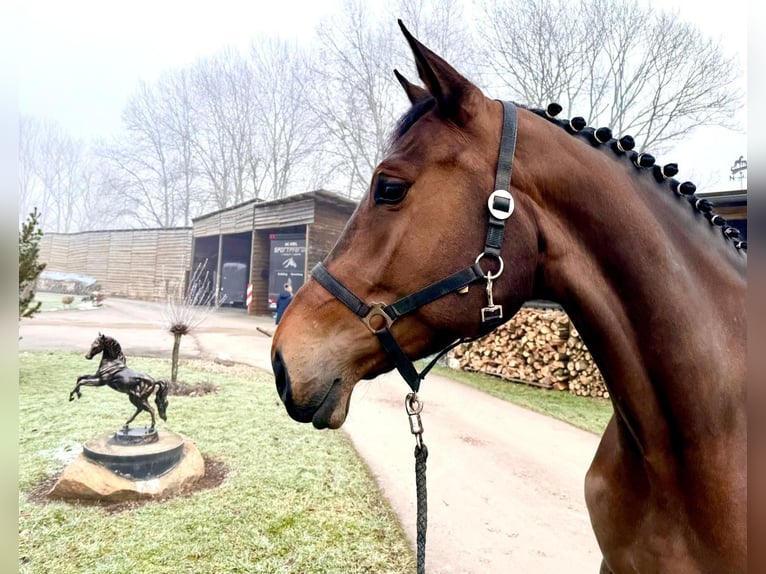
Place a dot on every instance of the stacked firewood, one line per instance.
(585, 379)
(538, 347)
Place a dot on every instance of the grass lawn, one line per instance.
(294, 500)
(583, 412)
(52, 301)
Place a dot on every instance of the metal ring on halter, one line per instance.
(377, 310)
(491, 276)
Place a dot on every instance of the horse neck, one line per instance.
(114, 352)
(656, 293)
(105, 362)
(111, 353)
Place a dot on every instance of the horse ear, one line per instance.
(450, 90)
(416, 94)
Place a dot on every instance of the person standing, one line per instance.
(284, 300)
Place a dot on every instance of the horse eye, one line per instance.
(390, 192)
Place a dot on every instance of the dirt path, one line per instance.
(505, 485)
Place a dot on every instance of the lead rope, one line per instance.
(413, 405)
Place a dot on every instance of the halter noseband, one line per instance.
(500, 205)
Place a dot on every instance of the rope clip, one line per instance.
(413, 405)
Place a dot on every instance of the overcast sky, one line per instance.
(80, 60)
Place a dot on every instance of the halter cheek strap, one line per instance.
(500, 205)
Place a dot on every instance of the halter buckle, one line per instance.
(377, 309)
(493, 313)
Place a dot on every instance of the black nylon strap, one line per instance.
(406, 304)
(496, 229)
(341, 292)
(402, 362)
(507, 147)
(435, 291)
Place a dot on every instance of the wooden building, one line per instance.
(266, 244)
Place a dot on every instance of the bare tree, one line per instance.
(177, 100)
(354, 98)
(144, 167)
(100, 204)
(284, 129)
(620, 64)
(443, 26)
(30, 193)
(225, 117)
(52, 171)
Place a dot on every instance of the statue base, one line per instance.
(129, 436)
(126, 453)
(111, 473)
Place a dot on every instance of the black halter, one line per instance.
(500, 206)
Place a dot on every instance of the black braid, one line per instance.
(623, 147)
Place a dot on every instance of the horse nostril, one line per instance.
(281, 377)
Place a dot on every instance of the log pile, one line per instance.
(538, 347)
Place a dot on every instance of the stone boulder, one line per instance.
(83, 479)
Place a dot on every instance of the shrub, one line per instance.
(29, 268)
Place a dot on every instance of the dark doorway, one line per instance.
(205, 266)
(235, 268)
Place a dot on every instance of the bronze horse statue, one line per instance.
(652, 279)
(114, 372)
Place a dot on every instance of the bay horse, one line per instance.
(653, 280)
(114, 372)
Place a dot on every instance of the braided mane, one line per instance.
(623, 147)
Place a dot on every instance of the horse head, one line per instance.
(97, 346)
(423, 218)
(107, 345)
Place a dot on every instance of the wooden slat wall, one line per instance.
(328, 224)
(269, 215)
(119, 253)
(234, 220)
(78, 256)
(138, 264)
(207, 226)
(54, 250)
(141, 270)
(259, 273)
(173, 262)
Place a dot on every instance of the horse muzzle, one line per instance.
(325, 407)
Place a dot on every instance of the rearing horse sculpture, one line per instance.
(651, 278)
(114, 372)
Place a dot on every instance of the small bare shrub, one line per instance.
(184, 312)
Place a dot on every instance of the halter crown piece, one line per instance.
(500, 205)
